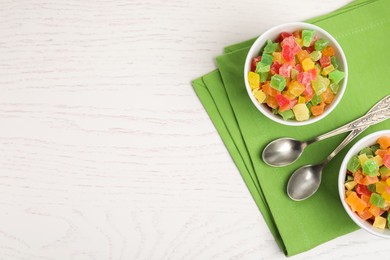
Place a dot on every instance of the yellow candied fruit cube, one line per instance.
(380, 187)
(301, 100)
(362, 158)
(259, 95)
(327, 70)
(277, 56)
(296, 88)
(253, 79)
(378, 160)
(301, 112)
(379, 222)
(307, 64)
(350, 185)
(299, 41)
(388, 182)
(386, 196)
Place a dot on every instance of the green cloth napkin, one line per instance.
(362, 29)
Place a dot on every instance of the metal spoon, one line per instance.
(284, 151)
(305, 181)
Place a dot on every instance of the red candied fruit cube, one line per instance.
(275, 68)
(287, 53)
(312, 73)
(291, 103)
(254, 61)
(285, 70)
(299, 67)
(304, 78)
(282, 36)
(310, 49)
(325, 61)
(282, 100)
(362, 189)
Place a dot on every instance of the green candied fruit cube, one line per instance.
(266, 59)
(336, 76)
(308, 36)
(333, 61)
(270, 47)
(316, 100)
(377, 200)
(278, 82)
(261, 68)
(371, 187)
(374, 147)
(388, 221)
(353, 164)
(287, 114)
(334, 88)
(309, 105)
(320, 44)
(367, 151)
(316, 55)
(263, 76)
(320, 84)
(370, 168)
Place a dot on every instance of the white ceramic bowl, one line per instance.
(364, 142)
(272, 34)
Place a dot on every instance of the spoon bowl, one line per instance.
(283, 151)
(305, 182)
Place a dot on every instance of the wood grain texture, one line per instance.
(105, 150)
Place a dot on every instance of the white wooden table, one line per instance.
(106, 151)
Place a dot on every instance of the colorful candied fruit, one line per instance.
(297, 75)
(367, 184)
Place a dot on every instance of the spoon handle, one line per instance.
(377, 114)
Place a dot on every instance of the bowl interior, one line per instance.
(272, 34)
(365, 141)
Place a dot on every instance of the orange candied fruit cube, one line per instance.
(366, 214)
(328, 51)
(384, 142)
(327, 96)
(268, 90)
(374, 210)
(358, 176)
(365, 198)
(303, 54)
(317, 110)
(381, 152)
(356, 203)
(271, 102)
(367, 180)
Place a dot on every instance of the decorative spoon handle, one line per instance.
(377, 114)
(381, 104)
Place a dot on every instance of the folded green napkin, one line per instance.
(362, 29)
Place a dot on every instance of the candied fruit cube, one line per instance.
(384, 142)
(278, 82)
(259, 95)
(253, 80)
(379, 222)
(301, 112)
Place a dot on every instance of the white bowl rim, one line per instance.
(341, 180)
(261, 39)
